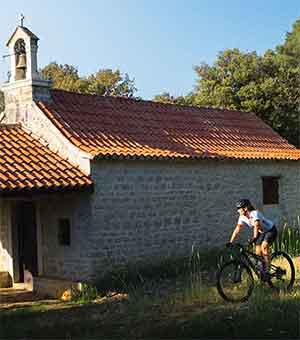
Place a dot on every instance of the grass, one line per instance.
(288, 239)
(131, 276)
(175, 299)
(185, 306)
(176, 315)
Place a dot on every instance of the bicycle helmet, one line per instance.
(243, 203)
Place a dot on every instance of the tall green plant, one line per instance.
(288, 240)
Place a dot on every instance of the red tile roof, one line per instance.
(120, 127)
(26, 164)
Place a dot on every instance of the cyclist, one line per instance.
(264, 230)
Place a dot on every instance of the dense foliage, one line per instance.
(105, 82)
(166, 98)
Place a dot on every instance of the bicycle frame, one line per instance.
(246, 257)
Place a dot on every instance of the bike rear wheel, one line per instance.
(235, 281)
(282, 271)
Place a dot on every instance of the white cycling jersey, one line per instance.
(256, 215)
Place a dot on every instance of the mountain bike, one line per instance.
(235, 281)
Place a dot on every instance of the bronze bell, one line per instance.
(22, 61)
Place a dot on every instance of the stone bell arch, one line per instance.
(25, 84)
(23, 46)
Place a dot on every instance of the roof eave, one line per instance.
(42, 191)
(200, 157)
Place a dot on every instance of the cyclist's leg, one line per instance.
(268, 238)
(265, 254)
(258, 244)
(258, 249)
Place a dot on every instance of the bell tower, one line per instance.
(25, 84)
(23, 46)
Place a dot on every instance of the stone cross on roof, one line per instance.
(22, 20)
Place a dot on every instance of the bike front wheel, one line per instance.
(235, 281)
(282, 271)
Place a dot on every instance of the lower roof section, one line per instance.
(28, 165)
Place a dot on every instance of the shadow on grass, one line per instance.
(182, 306)
(187, 311)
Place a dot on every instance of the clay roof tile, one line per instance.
(27, 164)
(120, 127)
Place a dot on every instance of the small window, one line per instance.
(64, 232)
(270, 190)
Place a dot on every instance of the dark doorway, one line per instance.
(27, 238)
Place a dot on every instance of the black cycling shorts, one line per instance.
(268, 236)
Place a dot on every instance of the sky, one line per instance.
(157, 42)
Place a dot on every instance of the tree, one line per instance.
(219, 84)
(166, 98)
(105, 82)
(64, 77)
(291, 46)
(268, 85)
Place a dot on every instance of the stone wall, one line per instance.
(6, 257)
(44, 129)
(146, 209)
(68, 262)
(20, 108)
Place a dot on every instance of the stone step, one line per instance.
(17, 297)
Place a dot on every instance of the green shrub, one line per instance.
(87, 294)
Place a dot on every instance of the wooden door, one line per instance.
(27, 237)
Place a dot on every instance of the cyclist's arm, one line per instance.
(236, 232)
